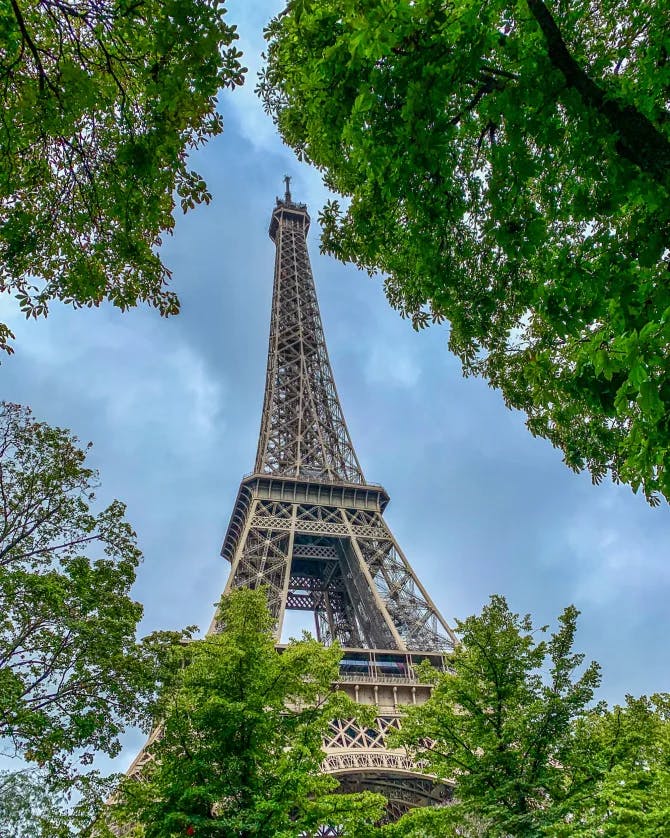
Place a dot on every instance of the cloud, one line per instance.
(173, 408)
(392, 365)
(616, 559)
(170, 386)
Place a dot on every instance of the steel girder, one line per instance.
(342, 564)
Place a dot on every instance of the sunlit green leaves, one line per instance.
(499, 721)
(513, 724)
(241, 738)
(621, 772)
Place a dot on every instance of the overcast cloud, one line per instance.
(173, 408)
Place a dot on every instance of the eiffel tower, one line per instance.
(308, 527)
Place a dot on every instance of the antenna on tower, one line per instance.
(287, 195)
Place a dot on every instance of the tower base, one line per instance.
(360, 757)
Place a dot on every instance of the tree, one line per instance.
(507, 166)
(621, 768)
(37, 804)
(102, 100)
(239, 751)
(22, 801)
(450, 821)
(500, 722)
(71, 672)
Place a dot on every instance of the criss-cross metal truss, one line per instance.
(327, 549)
(303, 432)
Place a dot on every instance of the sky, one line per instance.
(173, 409)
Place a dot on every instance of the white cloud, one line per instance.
(251, 18)
(617, 560)
(205, 391)
(394, 365)
(134, 369)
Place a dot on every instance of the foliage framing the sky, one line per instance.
(72, 675)
(501, 727)
(512, 723)
(101, 102)
(508, 168)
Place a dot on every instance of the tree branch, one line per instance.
(639, 141)
(43, 78)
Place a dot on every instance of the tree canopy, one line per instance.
(513, 722)
(238, 747)
(36, 803)
(239, 750)
(621, 766)
(72, 675)
(507, 166)
(101, 102)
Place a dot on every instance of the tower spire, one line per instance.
(287, 193)
(308, 528)
(303, 431)
(306, 524)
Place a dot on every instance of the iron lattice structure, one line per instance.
(308, 527)
(303, 432)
